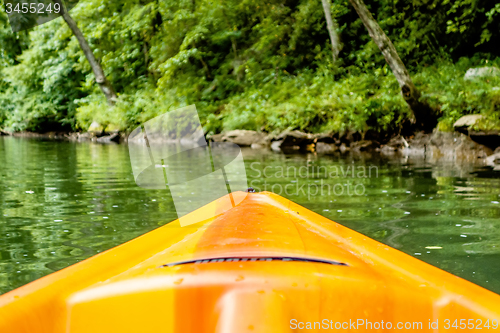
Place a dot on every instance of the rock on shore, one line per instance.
(293, 140)
(480, 72)
(438, 145)
(489, 138)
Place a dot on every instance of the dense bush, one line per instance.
(443, 85)
(253, 64)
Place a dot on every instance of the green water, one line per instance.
(62, 202)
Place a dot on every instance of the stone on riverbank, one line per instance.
(295, 138)
(276, 146)
(489, 138)
(95, 129)
(113, 138)
(481, 72)
(493, 160)
(467, 121)
(343, 148)
(454, 145)
(243, 138)
(326, 148)
(258, 146)
(394, 145)
(438, 145)
(83, 136)
(364, 145)
(326, 138)
(289, 141)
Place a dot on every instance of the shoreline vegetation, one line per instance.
(327, 76)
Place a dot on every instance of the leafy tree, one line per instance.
(262, 65)
(423, 114)
(106, 87)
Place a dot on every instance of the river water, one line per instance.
(62, 202)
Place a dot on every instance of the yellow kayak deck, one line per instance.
(266, 265)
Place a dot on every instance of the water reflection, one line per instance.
(62, 202)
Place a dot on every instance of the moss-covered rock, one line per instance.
(95, 128)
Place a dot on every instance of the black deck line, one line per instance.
(244, 259)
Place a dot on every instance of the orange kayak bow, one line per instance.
(266, 265)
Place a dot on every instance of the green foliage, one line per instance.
(446, 125)
(41, 83)
(263, 65)
(311, 102)
(444, 87)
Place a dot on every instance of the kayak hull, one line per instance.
(265, 265)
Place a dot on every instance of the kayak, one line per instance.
(264, 265)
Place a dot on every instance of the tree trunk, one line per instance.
(100, 78)
(332, 30)
(424, 116)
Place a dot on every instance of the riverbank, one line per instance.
(435, 145)
(257, 75)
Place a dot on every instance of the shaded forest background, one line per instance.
(258, 65)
